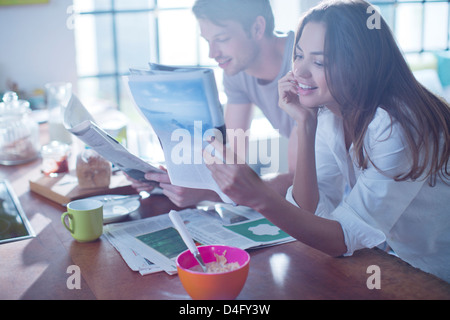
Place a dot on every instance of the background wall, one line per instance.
(37, 45)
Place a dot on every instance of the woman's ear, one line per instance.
(259, 28)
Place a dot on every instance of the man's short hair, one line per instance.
(241, 11)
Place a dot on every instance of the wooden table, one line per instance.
(37, 268)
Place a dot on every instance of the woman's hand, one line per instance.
(290, 102)
(235, 178)
(287, 92)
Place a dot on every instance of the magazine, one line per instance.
(152, 244)
(182, 106)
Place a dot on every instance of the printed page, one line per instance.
(155, 240)
(134, 260)
(184, 111)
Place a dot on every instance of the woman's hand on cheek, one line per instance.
(287, 92)
(289, 100)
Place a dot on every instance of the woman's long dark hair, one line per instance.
(365, 70)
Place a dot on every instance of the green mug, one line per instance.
(85, 219)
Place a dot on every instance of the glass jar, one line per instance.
(58, 95)
(55, 158)
(19, 132)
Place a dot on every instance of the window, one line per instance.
(113, 35)
(419, 26)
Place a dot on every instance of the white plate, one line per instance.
(117, 210)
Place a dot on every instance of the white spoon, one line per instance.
(184, 233)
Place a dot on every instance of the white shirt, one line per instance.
(412, 217)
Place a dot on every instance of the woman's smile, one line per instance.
(303, 89)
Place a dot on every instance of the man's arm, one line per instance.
(238, 116)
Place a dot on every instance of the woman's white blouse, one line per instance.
(372, 208)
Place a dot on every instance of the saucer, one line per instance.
(117, 210)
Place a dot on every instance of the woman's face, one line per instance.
(308, 68)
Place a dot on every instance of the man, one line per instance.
(241, 38)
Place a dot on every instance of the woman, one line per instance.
(373, 146)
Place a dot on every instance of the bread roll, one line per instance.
(93, 171)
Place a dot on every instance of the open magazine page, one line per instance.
(249, 228)
(153, 243)
(80, 123)
(184, 111)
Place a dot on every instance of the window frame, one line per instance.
(113, 12)
(394, 4)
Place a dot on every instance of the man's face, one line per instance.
(229, 45)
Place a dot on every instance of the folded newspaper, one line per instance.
(152, 244)
(80, 123)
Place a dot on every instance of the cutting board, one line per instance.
(64, 188)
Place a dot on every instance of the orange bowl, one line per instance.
(213, 286)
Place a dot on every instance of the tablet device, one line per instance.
(14, 225)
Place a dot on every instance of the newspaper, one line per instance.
(79, 122)
(182, 106)
(151, 245)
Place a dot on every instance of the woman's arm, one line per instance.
(305, 189)
(317, 232)
(244, 187)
